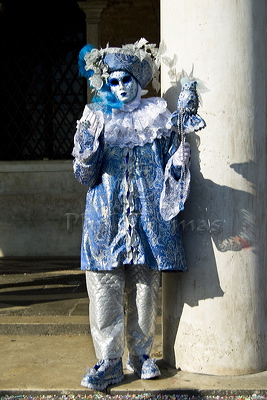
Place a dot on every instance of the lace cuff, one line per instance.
(174, 193)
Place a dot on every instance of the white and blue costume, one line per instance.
(124, 169)
(130, 228)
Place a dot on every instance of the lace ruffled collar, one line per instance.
(137, 123)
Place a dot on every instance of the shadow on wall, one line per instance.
(215, 216)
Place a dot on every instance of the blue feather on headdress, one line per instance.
(81, 61)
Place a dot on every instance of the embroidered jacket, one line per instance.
(130, 215)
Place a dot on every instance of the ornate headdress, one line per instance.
(140, 59)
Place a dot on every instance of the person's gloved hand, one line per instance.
(92, 123)
(179, 158)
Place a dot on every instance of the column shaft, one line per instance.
(215, 315)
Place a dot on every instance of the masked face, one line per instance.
(123, 85)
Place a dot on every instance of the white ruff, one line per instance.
(140, 122)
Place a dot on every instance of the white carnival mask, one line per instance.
(123, 85)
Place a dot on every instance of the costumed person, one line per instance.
(132, 165)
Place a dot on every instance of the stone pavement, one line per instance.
(46, 344)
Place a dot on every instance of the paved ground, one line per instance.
(46, 344)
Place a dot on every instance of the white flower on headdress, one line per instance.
(91, 59)
(96, 81)
(171, 63)
(159, 54)
(140, 43)
(105, 73)
(155, 84)
(94, 61)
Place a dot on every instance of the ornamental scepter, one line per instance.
(187, 120)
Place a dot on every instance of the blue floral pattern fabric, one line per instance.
(122, 221)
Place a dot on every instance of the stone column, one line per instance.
(215, 315)
(93, 10)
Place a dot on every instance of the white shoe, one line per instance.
(144, 366)
(104, 373)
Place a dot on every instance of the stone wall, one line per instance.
(41, 209)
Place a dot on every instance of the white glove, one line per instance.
(179, 159)
(93, 121)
